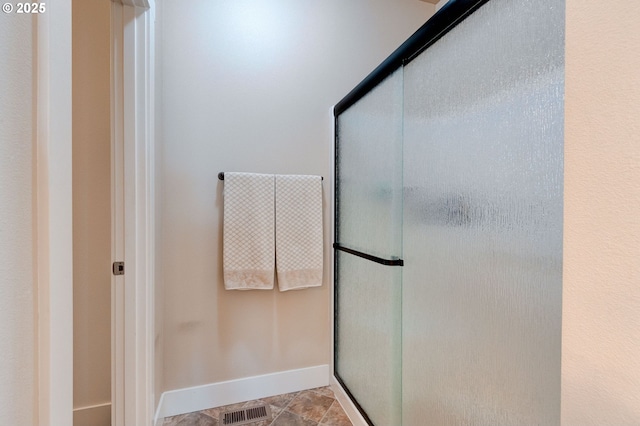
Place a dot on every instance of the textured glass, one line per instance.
(368, 335)
(483, 158)
(369, 171)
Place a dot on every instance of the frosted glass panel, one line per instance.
(369, 171)
(483, 144)
(368, 335)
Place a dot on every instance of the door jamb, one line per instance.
(53, 399)
(133, 210)
(53, 269)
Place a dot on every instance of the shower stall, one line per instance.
(448, 222)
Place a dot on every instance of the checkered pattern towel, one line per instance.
(248, 231)
(298, 231)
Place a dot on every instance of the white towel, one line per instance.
(298, 231)
(248, 231)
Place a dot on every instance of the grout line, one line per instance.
(285, 407)
(325, 414)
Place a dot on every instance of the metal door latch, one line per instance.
(118, 268)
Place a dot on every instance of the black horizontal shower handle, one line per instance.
(387, 262)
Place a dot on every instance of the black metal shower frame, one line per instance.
(450, 15)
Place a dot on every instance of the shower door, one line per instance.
(368, 251)
(480, 195)
(483, 141)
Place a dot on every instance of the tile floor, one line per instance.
(313, 407)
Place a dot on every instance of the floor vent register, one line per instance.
(246, 415)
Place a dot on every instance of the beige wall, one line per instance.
(91, 211)
(248, 86)
(17, 251)
(601, 297)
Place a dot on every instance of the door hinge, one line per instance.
(118, 268)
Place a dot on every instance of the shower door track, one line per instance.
(451, 14)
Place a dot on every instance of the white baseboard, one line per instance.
(347, 405)
(158, 420)
(94, 415)
(187, 400)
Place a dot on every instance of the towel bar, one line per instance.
(221, 176)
